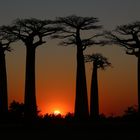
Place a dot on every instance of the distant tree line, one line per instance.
(73, 31)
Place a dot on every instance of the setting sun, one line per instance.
(57, 112)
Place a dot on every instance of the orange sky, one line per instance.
(55, 78)
(56, 65)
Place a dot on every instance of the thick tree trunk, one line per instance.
(3, 85)
(81, 101)
(30, 95)
(94, 103)
(139, 85)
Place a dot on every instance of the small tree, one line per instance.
(72, 28)
(5, 41)
(128, 36)
(98, 61)
(16, 109)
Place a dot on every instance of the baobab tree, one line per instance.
(128, 36)
(5, 41)
(98, 61)
(72, 28)
(31, 32)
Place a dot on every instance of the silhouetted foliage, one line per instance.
(131, 114)
(72, 28)
(31, 32)
(53, 119)
(16, 109)
(128, 36)
(98, 61)
(130, 110)
(5, 41)
(69, 117)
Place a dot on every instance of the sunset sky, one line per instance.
(56, 65)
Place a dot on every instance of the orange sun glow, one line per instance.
(57, 112)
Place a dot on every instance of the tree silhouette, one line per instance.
(31, 32)
(5, 41)
(72, 28)
(128, 36)
(16, 109)
(98, 61)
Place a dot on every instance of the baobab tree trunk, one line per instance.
(3, 85)
(94, 103)
(30, 95)
(81, 101)
(139, 85)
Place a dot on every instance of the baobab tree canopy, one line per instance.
(83, 23)
(71, 27)
(31, 31)
(127, 36)
(5, 40)
(101, 61)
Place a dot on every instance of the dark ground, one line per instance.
(61, 129)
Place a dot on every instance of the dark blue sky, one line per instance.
(110, 12)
